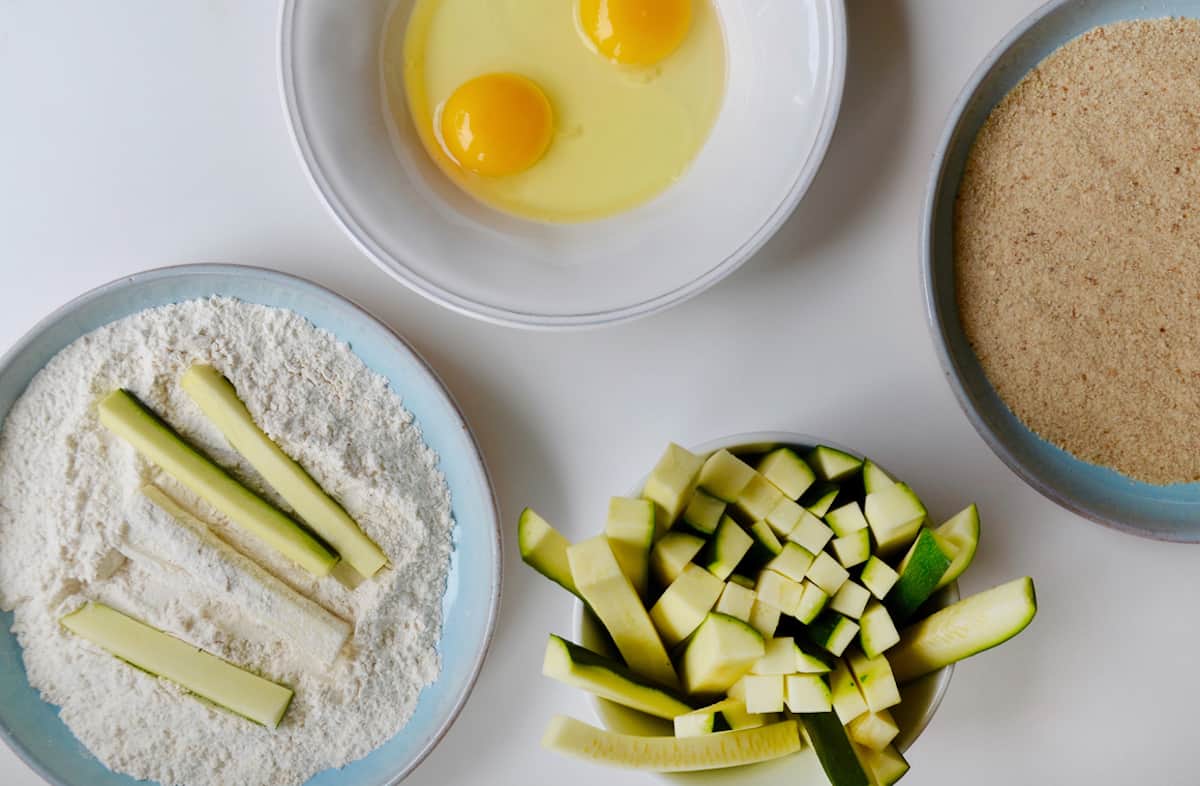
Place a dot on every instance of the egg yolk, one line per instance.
(497, 124)
(636, 32)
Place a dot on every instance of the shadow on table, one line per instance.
(874, 121)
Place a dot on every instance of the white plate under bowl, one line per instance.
(920, 699)
(786, 68)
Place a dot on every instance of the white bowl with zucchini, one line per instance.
(766, 606)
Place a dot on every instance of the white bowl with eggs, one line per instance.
(784, 68)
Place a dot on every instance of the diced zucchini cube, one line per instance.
(850, 600)
(878, 577)
(758, 498)
(878, 633)
(874, 677)
(846, 519)
(874, 730)
(779, 659)
(671, 554)
(698, 723)
(874, 478)
(720, 652)
(725, 549)
(853, 549)
(764, 692)
(959, 538)
(779, 591)
(787, 471)
(764, 618)
(743, 581)
(811, 533)
(738, 717)
(785, 516)
(725, 476)
(765, 548)
(821, 498)
(886, 767)
(671, 484)
(736, 601)
(895, 515)
(793, 561)
(703, 513)
(833, 632)
(810, 660)
(833, 465)
(684, 604)
(807, 693)
(920, 572)
(848, 701)
(812, 603)
(827, 574)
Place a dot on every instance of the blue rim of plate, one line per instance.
(367, 244)
(397, 344)
(1169, 513)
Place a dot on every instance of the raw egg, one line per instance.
(497, 124)
(641, 32)
(558, 110)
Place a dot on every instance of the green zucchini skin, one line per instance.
(832, 745)
(926, 564)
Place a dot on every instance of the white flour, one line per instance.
(67, 486)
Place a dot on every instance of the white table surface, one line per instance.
(140, 133)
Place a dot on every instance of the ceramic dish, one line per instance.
(1100, 494)
(920, 698)
(786, 68)
(32, 727)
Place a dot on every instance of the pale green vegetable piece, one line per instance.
(793, 561)
(846, 519)
(670, 485)
(672, 754)
(725, 476)
(581, 668)
(811, 533)
(851, 600)
(879, 577)
(827, 574)
(763, 692)
(736, 601)
(218, 399)
(544, 549)
(615, 602)
(129, 419)
(683, 605)
(721, 651)
(163, 655)
(671, 554)
(874, 730)
(764, 618)
(630, 532)
(790, 474)
(807, 693)
(758, 498)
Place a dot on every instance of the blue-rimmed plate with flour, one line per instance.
(314, 365)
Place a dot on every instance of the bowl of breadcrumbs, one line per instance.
(1062, 259)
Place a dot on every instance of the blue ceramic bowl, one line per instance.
(1164, 512)
(32, 727)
